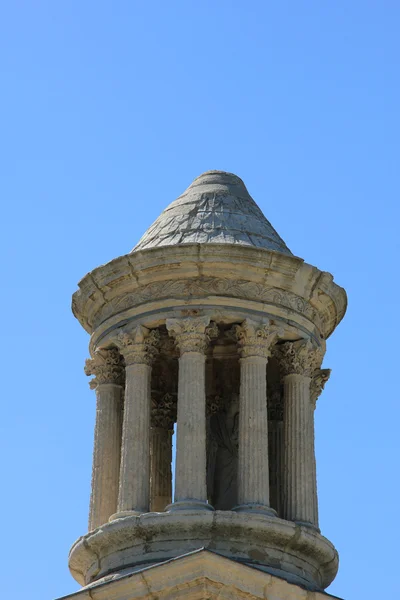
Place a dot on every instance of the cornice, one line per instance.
(199, 271)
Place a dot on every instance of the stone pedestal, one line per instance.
(191, 335)
(108, 370)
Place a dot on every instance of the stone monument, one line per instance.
(212, 324)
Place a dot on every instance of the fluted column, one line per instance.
(255, 343)
(162, 424)
(318, 381)
(138, 348)
(298, 361)
(192, 335)
(107, 368)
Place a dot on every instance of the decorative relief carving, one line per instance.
(208, 286)
(138, 346)
(107, 366)
(192, 334)
(163, 412)
(299, 358)
(257, 338)
(318, 381)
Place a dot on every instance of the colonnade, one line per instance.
(123, 464)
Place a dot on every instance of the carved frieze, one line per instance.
(208, 286)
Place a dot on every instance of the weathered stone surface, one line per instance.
(200, 575)
(216, 208)
(298, 553)
(138, 348)
(107, 367)
(196, 324)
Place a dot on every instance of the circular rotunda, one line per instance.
(210, 328)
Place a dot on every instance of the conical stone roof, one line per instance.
(216, 208)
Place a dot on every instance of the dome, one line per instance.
(216, 208)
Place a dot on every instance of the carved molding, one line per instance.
(318, 381)
(107, 366)
(209, 286)
(192, 334)
(256, 338)
(299, 358)
(139, 345)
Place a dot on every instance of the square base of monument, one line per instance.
(200, 575)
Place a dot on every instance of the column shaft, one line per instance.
(106, 454)
(314, 491)
(160, 468)
(253, 471)
(275, 433)
(300, 485)
(134, 488)
(190, 469)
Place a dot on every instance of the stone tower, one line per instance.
(212, 324)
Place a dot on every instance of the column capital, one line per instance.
(256, 338)
(163, 412)
(299, 358)
(318, 381)
(192, 334)
(106, 366)
(138, 345)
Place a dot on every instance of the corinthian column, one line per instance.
(298, 362)
(139, 349)
(255, 343)
(162, 425)
(192, 336)
(107, 368)
(318, 381)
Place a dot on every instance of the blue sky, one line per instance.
(108, 111)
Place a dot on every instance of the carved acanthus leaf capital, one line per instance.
(318, 381)
(106, 366)
(299, 358)
(192, 334)
(256, 338)
(139, 345)
(163, 412)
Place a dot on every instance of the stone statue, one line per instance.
(222, 456)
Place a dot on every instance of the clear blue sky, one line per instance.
(108, 111)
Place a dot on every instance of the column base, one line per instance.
(309, 525)
(188, 505)
(127, 513)
(254, 508)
